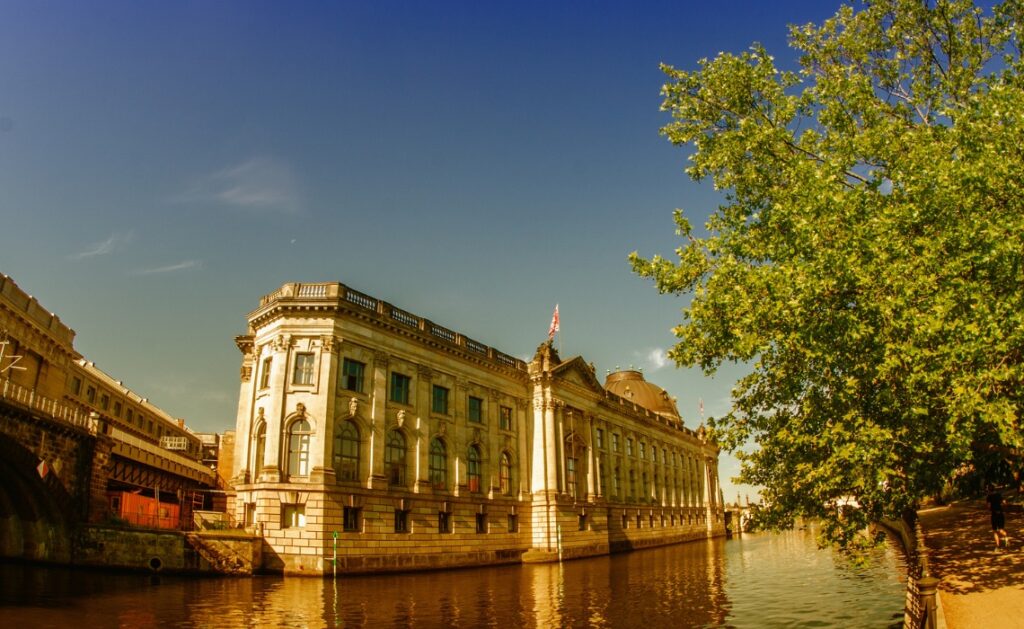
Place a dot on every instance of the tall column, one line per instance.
(420, 429)
(378, 412)
(523, 428)
(244, 415)
(323, 411)
(592, 470)
(560, 481)
(275, 412)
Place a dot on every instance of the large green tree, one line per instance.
(866, 262)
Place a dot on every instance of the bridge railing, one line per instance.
(29, 399)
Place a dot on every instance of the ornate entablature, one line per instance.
(335, 300)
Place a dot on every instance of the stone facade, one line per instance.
(371, 434)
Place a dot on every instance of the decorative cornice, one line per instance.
(245, 344)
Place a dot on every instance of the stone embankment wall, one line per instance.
(920, 601)
(172, 551)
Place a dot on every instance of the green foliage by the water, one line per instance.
(867, 260)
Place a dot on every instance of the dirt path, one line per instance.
(980, 587)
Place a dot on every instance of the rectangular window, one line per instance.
(444, 522)
(513, 523)
(265, 372)
(476, 409)
(600, 438)
(250, 514)
(481, 523)
(642, 453)
(582, 522)
(104, 401)
(117, 409)
(150, 429)
(293, 516)
(400, 385)
(615, 442)
(352, 375)
(629, 447)
(439, 403)
(639, 521)
(625, 521)
(401, 521)
(505, 417)
(90, 394)
(350, 519)
(303, 373)
(128, 416)
(76, 385)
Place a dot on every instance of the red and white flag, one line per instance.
(554, 324)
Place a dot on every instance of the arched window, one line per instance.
(346, 451)
(473, 469)
(261, 449)
(394, 458)
(505, 474)
(298, 448)
(438, 465)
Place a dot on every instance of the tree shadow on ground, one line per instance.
(961, 549)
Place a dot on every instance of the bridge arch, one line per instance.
(35, 511)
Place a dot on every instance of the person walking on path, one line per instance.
(995, 504)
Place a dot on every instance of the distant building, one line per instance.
(40, 369)
(421, 448)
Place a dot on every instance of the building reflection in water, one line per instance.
(758, 579)
(682, 584)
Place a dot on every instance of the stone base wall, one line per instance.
(158, 551)
(375, 546)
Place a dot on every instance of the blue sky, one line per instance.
(163, 165)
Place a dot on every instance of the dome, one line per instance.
(630, 384)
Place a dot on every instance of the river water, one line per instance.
(757, 580)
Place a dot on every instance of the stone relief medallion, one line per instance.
(400, 419)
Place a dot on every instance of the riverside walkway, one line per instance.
(980, 586)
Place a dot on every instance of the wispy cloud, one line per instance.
(104, 247)
(258, 184)
(654, 358)
(184, 265)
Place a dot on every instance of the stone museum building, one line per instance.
(377, 439)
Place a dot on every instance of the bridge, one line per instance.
(58, 463)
